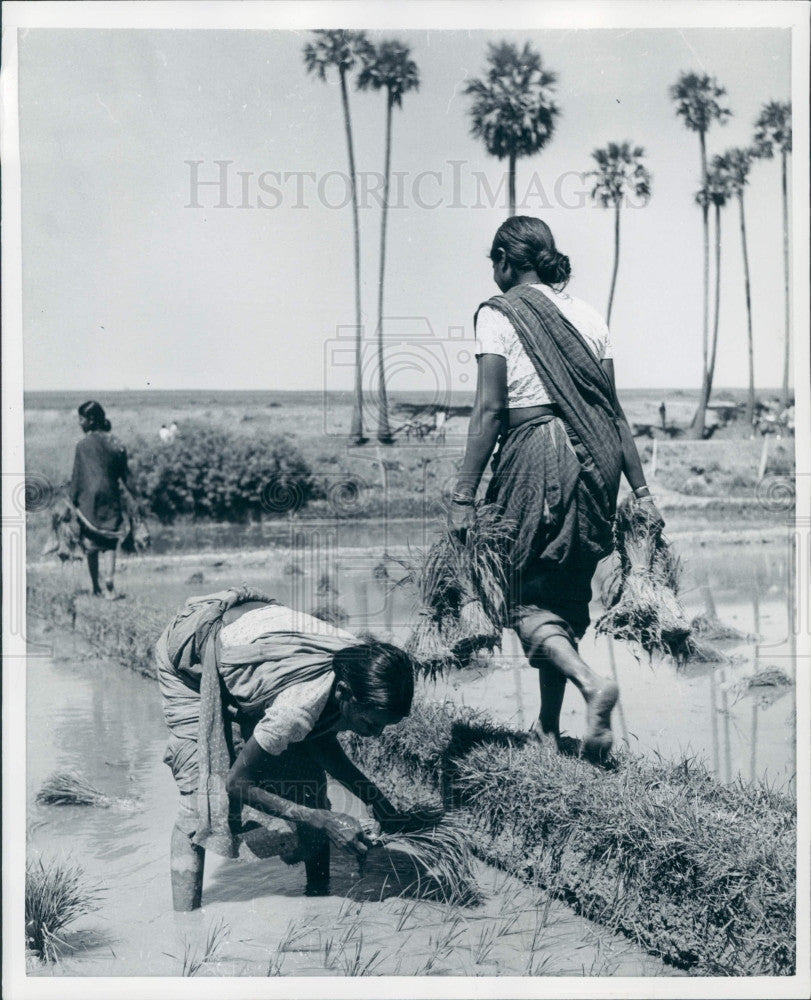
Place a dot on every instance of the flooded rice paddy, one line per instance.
(88, 715)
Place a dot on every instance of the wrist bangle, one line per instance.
(463, 500)
(643, 490)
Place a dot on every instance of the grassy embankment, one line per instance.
(417, 470)
(700, 873)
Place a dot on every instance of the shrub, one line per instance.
(212, 473)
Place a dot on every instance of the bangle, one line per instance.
(463, 500)
(644, 490)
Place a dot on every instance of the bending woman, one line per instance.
(253, 695)
(546, 394)
(99, 467)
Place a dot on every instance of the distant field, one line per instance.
(417, 471)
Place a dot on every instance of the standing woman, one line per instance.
(99, 470)
(546, 394)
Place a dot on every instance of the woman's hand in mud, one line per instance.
(345, 832)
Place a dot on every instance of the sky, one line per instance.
(135, 278)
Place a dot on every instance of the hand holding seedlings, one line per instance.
(345, 832)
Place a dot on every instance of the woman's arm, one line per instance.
(631, 462)
(342, 830)
(75, 478)
(486, 422)
(336, 763)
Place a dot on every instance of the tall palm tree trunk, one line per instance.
(356, 427)
(616, 261)
(383, 429)
(717, 314)
(511, 183)
(787, 340)
(750, 399)
(701, 412)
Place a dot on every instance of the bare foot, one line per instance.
(547, 740)
(598, 739)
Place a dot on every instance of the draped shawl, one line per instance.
(581, 392)
(249, 677)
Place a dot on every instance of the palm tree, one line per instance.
(341, 50)
(735, 164)
(773, 131)
(513, 111)
(619, 171)
(715, 193)
(388, 66)
(697, 100)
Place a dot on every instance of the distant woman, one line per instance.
(99, 471)
(546, 394)
(254, 694)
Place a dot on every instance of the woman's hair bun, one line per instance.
(553, 267)
(528, 245)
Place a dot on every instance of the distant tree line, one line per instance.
(514, 113)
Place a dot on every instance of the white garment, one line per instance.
(294, 713)
(495, 335)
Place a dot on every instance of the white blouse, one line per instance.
(495, 335)
(294, 713)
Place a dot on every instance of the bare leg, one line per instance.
(553, 687)
(108, 566)
(93, 566)
(555, 652)
(317, 869)
(187, 862)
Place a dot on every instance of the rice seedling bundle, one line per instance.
(642, 597)
(66, 788)
(710, 627)
(462, 585)
(55, 895)
(443, 862)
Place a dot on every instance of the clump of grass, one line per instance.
(56, 894)
(642, 596)
(697, 872)
(443, 860)
(767, 684)
(768, 677)
(197, 955)
(67, 788)
(709, 626)
(462, 585)
(428, 649)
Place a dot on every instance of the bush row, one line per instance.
(208, 472)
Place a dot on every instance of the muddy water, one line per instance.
(702, 710)
(91, 716)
